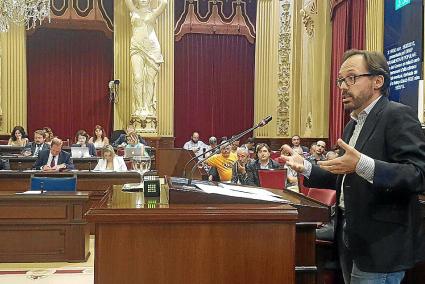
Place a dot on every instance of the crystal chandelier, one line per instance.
(23, 12)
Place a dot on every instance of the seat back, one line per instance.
(303, 189)
(275, 179)
(274, 154)
(326, 196)
(54, 184)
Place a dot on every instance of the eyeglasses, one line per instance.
(350, 80)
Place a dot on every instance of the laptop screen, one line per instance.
(80, 152)
(130, 152)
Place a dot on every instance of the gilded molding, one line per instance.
(309, 9)
(284, 75)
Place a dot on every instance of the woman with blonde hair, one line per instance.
(110, 161)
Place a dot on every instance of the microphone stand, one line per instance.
(225, 143)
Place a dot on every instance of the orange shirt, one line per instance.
(223, 165)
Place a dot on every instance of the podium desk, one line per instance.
(310, 212)
(142, 240)
(44, 227)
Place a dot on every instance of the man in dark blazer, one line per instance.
(54, 159)
(378, 176)
(263, 161)
(38, 145)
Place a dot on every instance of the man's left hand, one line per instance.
(345, 164)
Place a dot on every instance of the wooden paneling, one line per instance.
(55, 231)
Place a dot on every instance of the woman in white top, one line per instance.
(110, 161)
(99, 139)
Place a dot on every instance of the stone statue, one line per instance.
(145, 54)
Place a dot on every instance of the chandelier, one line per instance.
(23, 13)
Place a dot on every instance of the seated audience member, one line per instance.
(296, 144)
(263, 162)
(235, 145)
(99, 138)
(18, 137)
(318, 155)
(82, 139)
(38, 145)
(194, 144)
(110, 161)
(48, 134)
(250, 145)
(212, 144)
(122, 139)
(4, 164)
(331, 155)
(133, 142)
(239, 174)
(54, 159)
(223, 162)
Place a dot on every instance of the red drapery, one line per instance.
(68, 75)
(348, 31)
(214, 86)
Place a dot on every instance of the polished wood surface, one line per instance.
(142, 240)
(172, 161)
(44, 227)
(310, 213)
(26, 163)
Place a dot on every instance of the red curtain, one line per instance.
(214, 86)
(348, 31)
(68, 75)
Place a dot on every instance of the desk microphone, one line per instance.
(225, 143)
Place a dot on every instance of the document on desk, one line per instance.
(228, 191)
(30, 192)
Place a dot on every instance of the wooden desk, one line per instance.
(43, 228)
(26, 163)
(310, 212)
(138, 241)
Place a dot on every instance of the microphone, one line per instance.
(224, 143)
(265, 121)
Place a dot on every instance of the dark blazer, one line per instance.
(383, 219)
(64, 158)
(123, 138)
(32, 147)
(252, 171)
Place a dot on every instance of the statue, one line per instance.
(145, 54)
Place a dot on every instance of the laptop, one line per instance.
(80, 152)
(130, 152)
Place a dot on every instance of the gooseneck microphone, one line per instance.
(222, 144)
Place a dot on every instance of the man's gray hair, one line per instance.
(212, 140)
(242, 149)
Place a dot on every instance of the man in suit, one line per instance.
(378, 176)
(54, 159)
(263, 162)
(38, 145)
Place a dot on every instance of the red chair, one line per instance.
(274, 155)
(280, 160)
(4, 142)
(303, 189)
(98, 152)
(275, 179)
(326, 196)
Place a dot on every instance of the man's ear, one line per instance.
(379, 82)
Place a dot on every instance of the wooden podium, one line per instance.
(171, 161)
(154, 241)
